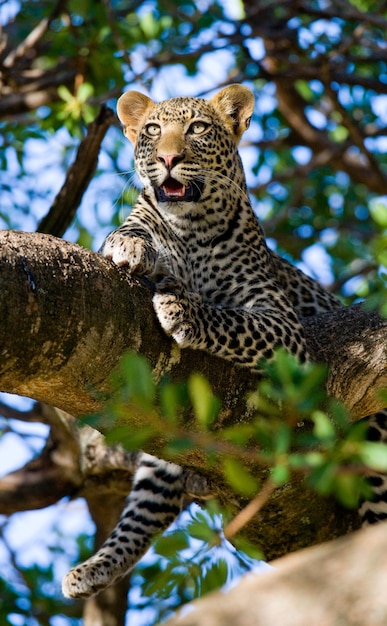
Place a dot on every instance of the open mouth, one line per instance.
(174, 191)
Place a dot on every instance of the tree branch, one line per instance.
(32, 39)
(68, 315)
(342, 581)
(77, 462)
(353, 342)
(64, 207)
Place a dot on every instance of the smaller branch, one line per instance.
(32, 415)
(347, 43)
(360, 268)
(33, 37)
(353, 128)
(297, 71)
(29, 42)
(73, 462)
(302, 171)
(292, 106)
(51, 476)
(349, 12)
(252, 508)
(111, 19)
(36, 92)
(23, 578)
(64, 207)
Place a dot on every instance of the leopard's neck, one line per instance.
(210, 220)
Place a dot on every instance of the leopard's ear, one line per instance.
(133, 108)
(235, 104)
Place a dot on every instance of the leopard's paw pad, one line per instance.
(173, 313)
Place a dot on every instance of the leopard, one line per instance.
(217, 286)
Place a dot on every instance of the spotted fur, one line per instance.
(375, 510)
(218, 286)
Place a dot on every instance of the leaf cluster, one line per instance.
(189, 561)
(293, 427)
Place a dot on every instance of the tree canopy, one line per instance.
(315, 161)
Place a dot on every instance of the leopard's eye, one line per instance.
(197, 128)
(152, 130)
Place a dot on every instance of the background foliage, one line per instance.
(315, 159)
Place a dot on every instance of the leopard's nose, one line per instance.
(170, 160)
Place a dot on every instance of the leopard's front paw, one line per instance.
(174, 311)
(135, 252)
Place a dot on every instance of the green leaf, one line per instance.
(170, 543)
(339, 134)
(172, 398)
(65, 94)
(347, 489)
(160, 585)
(309, 459)
(322, 477)
(200, 529)
(137, 374)
(378, 210)
(280, 474)
(180, 445)
(215, 576)
(304, 89)
(85, 91)
(238, 434)
(367, 6)
(283, 439)
(205, 404)
(149, 25)
(130, 438)
(323, 427)
(250, 549)
(374, 455)
(239, 477)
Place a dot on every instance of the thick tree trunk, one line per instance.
(67, 317)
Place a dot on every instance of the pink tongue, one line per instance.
(172, 187)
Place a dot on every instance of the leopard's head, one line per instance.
(186, 148)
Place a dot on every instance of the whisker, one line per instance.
(129, 184)
(210, 175)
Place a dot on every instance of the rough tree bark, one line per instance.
(340, 582)
(67, 317)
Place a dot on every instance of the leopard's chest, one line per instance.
(222, 274)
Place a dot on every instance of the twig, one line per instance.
(351, 126)
(246, 514)
(32, 415)
(33, 37)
